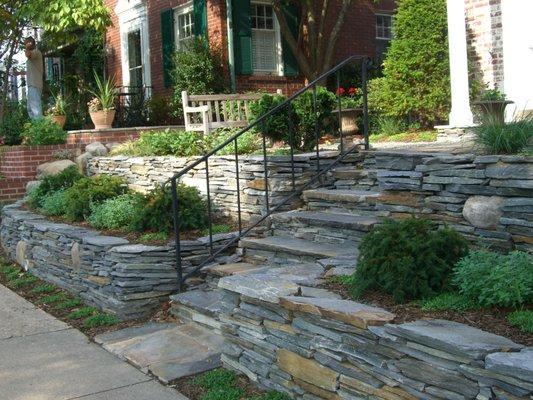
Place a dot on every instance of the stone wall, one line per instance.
(144, 173)
(338, 349)
(488, 199)
(120, 277)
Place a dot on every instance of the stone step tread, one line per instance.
(239, 268)
(206, 302)
(340, 195)
(331, 219)
(288, 244)
(169, 353)
(353, 173)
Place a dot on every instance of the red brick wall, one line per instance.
(12, 189)
(356, 37)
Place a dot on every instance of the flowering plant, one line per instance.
(351, 97)
(59, 107)
(94, 105)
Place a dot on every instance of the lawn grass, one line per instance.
(66, 304)
(82, 312)
(409, 137)
(24, 280)
(100, 319)
(53, 298)
(44, 288)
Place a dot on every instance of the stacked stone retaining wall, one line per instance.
(145, 173)
(120, 277)
(337, 349)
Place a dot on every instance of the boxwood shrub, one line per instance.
(409, 259)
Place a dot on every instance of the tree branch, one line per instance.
(321, 39)
(333, 37)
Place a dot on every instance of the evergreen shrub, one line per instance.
(416, 78)
(409, 259)
(43, 131)
(53, 183)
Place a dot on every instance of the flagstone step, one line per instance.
(322, 227)
(351, 178)
(360, 202)
(286, 249)
(168, 351)
(238, 268)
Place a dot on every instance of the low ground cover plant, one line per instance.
(117, 212)
(409, 259)
(53, 183)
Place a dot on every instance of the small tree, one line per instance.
(416, 80)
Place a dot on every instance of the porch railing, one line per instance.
(296, 191)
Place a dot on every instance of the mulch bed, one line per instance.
(187, 387)
(492, 320)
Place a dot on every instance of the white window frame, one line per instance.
(180, 10)
(279, 50)
(383, 14)
(132, 16)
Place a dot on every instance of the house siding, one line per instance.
(357, 37)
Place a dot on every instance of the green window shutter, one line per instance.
(49, 69)
(290, 65)
(242, 37)
(167, 39)
(200, 17)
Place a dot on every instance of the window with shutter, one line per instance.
(184, 25)
(265, 39)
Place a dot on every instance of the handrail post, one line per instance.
(364, 73)
(265, 165)
(315, 112)
(177, 241)
(341, 136)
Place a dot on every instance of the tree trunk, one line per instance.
(13, 45)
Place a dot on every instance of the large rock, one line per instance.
(262, 287)
(483, 211)
(307, 370)
(519, 365)
(53, 168)
(96, 149)
(82, 161)
(31, 186)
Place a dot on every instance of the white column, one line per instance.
(460, 115)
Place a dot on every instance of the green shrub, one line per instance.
(171, 142)
(54, 204)
(523, 319)
(117, 212)
(409, 259)
(277, 126)
(197, 70)
(493, 279)
(153, 237)
(247, 143)
(160, 111)
(217, 228)
(388, 126)
(88, 191)
(156, 215)
(43, 131)
(323, 118)
(53, 183)
(416, 79)
(99, 319)
(448, 301)
(12, 123)
(304, 118)
(504, 138)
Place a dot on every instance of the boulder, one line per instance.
(483, 211)
(96, 149)
(82, 161)
(32, 185)
(53, 168)
(112, 145)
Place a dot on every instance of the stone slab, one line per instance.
(453, 337)
(233, 269)
(259, 286)
(519, 365)
(138, 391)
(350, 312)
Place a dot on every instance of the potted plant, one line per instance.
(492, 104)
(58, 111)
(102, 106)
(351, 109)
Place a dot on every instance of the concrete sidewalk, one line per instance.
(42, 358)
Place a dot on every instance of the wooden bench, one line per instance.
(205, 112)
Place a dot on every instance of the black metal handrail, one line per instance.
(365, 61)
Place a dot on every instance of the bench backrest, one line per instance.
(221, 110)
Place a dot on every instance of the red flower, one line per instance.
(352, 91)
(341, 91)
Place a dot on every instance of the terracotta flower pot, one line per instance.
(59, 120)
(349, 120)
(103, 119)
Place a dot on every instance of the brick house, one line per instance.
(145, 33)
